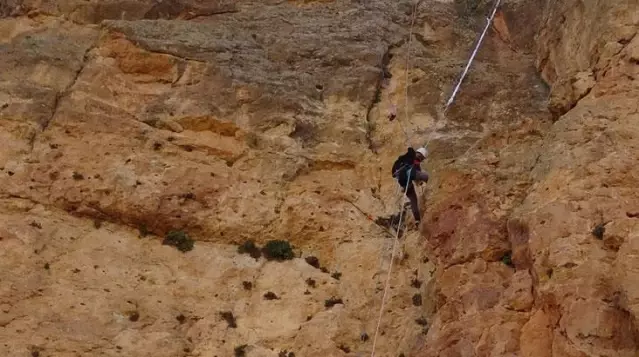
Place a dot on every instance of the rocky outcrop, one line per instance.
(232, 121)
(251, 123)
(92, 12)
(579, 213)
(578, 45)
(536, 271)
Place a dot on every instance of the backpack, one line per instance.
(403, 161)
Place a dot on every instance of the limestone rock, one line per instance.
(536, 336)
(238, 121)
(518, 296)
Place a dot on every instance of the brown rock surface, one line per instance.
(576, 176)
(243, 120)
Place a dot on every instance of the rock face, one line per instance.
(236, 121)
(250, 122)
(544, 268)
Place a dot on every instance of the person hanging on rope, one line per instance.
(409, 163)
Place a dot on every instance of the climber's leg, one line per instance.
(412, 196)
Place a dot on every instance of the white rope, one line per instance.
(406, 71)
(401, 214)
(450, 100)
(390, 267)
(472, 56)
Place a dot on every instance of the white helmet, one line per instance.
(423, 151)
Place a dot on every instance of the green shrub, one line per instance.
(278, 250)
(249, 247)
(599, 231)
(180, 240)
(507, 259)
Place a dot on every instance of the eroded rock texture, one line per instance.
(243, 120)
(566, 226)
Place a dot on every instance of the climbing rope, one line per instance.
(408, 137)
(472, 56)
(406, 71)
(390, 267)
(401, 214)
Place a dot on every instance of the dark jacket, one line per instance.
(403, 165)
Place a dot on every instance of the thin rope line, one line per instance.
(381, 255)
(406, 103)
(390, 268)
(406, 70)
(401, 206)
(472, 56)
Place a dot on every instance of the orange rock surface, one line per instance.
(237, 121)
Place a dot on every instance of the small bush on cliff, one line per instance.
(180, 240)
(250, 248)
(278, 250)
(599, 231)
(507, 259)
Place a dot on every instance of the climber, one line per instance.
(410, 162)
